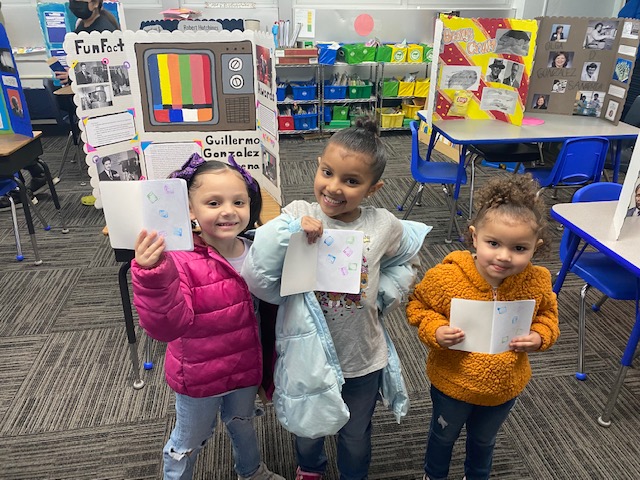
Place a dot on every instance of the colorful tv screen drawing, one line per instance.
(181, 87)
(209, 87)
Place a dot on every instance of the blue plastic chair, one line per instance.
(425, 171)
(580, 162)
(595, 268)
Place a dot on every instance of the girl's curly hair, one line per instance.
(514, 196)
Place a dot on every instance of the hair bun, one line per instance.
(369, 124)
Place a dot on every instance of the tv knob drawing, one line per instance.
(203, 86)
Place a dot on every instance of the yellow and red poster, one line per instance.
(484, 68)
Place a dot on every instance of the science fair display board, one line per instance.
(583, 66)
(14, 115)
(484, 68)
(147, 101)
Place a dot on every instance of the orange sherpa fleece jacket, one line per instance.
(479, 378)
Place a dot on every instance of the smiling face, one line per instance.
(219, 201)
(560, 60)
(343, 179)
(540, 101)
(504, 246)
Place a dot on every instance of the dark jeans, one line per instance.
(354, 439)
(448, 417)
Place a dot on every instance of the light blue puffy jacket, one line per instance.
(308, 378)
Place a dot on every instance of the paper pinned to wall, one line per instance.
(337, 265)
(160, 205)
(490, 326)
(306, 17)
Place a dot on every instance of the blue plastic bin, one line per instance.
(304, 92)
(326, 56)
(335, 92)
(305, 121)
(281, 93)
(327, 114)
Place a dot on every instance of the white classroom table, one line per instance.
(556, 128)
(591, 221)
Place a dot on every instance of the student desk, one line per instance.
(16, 153)
(579, 218)
(556, 128)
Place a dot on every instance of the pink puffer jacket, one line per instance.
(201, 306)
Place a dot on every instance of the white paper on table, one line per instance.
(332, 264)
(489, 326)
(160, 205)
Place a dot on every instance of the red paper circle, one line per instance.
(363, 24)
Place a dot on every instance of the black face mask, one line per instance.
(80, 9)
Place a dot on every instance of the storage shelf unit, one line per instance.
(376, 71)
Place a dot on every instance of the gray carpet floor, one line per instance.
(68, 409)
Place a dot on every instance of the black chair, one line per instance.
(66, 119)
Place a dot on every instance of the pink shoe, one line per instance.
(301, 475)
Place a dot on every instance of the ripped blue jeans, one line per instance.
(195, 423)
(448, 417)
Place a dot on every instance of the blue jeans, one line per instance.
(354, 439)
(448, 417)
(195, 423)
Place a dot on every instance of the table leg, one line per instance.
(456, 192)
(27, 214)
(138, 383)
(616, 160)
(626, 361)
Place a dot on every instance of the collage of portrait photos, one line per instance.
(100, 83)
(583, 66)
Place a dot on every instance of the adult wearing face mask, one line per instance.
(93, 18)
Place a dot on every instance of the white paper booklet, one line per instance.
(160, 205)
(331, 264)
(489, 326)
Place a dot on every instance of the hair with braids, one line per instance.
(513, 196)
(364, 138)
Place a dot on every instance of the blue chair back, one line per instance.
(6, 186)
(415, 144)
(595, 192)
(580, 161)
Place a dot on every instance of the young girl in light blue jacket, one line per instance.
(334, 355)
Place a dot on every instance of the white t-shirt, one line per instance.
(237, 262)
(353, 318)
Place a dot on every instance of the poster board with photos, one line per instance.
(14, 115)
(147, 101)
(628, 209)
(583, 66)
(484, 68)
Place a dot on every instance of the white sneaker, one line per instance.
(263, 473)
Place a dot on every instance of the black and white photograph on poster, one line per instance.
(559, 32)
(123, 166)
(515, 42)
(559, 86)
(622, 70)
(269, 166)
(264, 66)
(460, 77)
(540, 101)
(15, 103)
(612, 109)
(588, 103)
(495, 70)
(91, 72)
(96, 96)
(590, 71)
(120, 80)
(560, 60)
(513, 75)
(601, 34)
(6, 61)
(499, 99)
(630, 30)
(634, 205)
